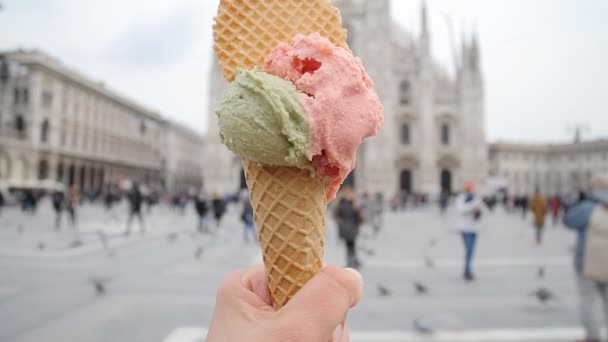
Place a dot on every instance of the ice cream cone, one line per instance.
(245, 31)
(289, 204)
(289, 210)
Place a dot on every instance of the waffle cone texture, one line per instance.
(289, 210)
(245, 31)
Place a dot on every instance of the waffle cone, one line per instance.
(289, 205)
(289, 209)
(245, 31)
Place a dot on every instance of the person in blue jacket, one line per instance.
(589, 218)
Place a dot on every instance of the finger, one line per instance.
(244, 288)
(257, 282)
(321, 305)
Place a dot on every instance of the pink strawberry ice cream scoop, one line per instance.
(339, 97)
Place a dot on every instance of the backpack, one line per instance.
(595, 264)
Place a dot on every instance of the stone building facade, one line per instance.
(552, 168)
(183, 155)
(434, 131)
(57, 124)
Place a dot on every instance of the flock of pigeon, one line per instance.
(542, 294)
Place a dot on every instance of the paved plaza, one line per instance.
(160, 286)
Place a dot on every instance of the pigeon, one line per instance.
(429, 263)
(544, 295)
(41, 246)
(420, 288)
(172, 237)
(541, 272)
(99, 284)
(383, 291)
(198, 252)
(75, 244)
(422, 327)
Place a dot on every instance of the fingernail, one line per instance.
(337, 333)
(357, 274)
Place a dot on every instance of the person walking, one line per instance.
(219, 207)
(524, 205)
(71, 203)
(470, 208)
(556, 206)
(444, 198)
(247, 218)
(538, 206)
(1, 201)
(589, 218)
(57, 200)
(201, 205)
(135, 198)
(349, 218)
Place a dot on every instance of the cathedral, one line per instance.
(433, 136)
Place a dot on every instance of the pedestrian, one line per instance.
(247, 217)
(538, 205)
(444, 197)
(1, 200)
(556, 206)
(182, 202)
(108, 198)
(244, 311)
(57, 200)
(589, 218)
(349, 218)
(524, 205)
(219, 207)
(72, 201)
(471, 210)
(135, 198)
(29, 202)
(201, 205)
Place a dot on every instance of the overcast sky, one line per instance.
(545, 62)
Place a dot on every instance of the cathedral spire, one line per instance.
(424, 27)
(474, 51)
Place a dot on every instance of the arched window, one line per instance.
(71, 175)
(43, 169)
(445, 134)
(404, 92)
(60, 172)
(44, 130)
(20, 126)
(446, 181)
(405, 181)
(405, 134)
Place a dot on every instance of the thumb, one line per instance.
(323, 302)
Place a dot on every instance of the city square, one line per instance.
(161, 285)
(149, 151)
